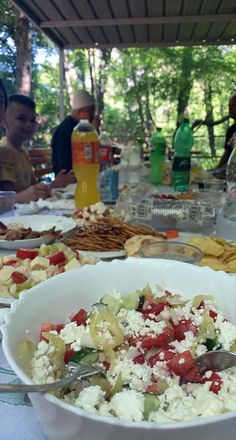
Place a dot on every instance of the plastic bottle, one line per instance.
(183, 142)
(226, 221)
(124, 167)
(231, 169)
(157, 158)
(85, 160)
(134, 162)
(105, 151)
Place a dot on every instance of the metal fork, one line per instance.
(218, 360)
(74, 371)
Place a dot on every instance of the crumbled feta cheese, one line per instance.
(128, 405)
(227, 334)
(179, 402)
(90, 398)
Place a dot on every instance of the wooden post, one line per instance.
(61, 66)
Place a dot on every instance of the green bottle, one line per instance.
(183, 142)
(157, 158)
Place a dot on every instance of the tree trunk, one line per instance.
(23, 55)
(98, 67)
(102, 79)
(209, 117)
(185, 83)
(138, 98)
(70, 76)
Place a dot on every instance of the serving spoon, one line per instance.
(211, 360)
(218, 360)
(74, 371)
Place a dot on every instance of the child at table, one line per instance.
(16, 172)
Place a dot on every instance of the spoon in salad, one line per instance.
(74, 371)
(218, 360)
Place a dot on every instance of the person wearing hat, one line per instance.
(61, 141)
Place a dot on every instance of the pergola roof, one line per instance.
(133, 23)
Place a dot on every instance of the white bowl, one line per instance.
(59, 296)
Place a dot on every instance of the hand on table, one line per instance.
(63, 179)
(33, 193)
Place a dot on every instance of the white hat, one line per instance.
(81, 99)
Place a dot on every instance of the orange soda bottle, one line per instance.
(85, 162)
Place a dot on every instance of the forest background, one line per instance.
(136, 90)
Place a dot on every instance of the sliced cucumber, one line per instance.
(131, 302)
(151, 403)
(96, 308)
(86, 356)
(113, 304)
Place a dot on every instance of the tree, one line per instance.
(185, 83)
(23, 54)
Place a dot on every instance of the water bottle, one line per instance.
(226, 222)
(123, 167)
(157, 158)
(183, 142)
(134, 162)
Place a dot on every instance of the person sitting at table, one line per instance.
(16, 171)
(82, 101)
(230, 138)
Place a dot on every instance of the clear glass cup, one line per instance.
(172, 251)
(7, 202)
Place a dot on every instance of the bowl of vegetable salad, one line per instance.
(143, 322)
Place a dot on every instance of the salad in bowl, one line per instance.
(143, 323)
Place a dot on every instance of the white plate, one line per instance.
(69, 188)
(37, 223)
(105, 254)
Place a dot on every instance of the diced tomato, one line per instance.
(58, 257)
(181, 363)
(171, 234)
(106, 365)
(164, 354)
(140, 359)
(184, 325)
(18, 277)
(216, 382)
(68, 355)
(192, 375)
(134, 341)
(47, 327)
(154, 308)
(26, 253)
(168, 293)
(201, 305)
(153, 388)
(157, 340)
(61, 268)
(213, 314)
(9, 263)
(80, 317)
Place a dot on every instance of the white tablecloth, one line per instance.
(17, 417)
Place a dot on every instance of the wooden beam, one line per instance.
(21, 7)
(136, 21)
(152, 44)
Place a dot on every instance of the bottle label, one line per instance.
(142, 210)
(108, 185)
(85, 152)
(182, 164)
